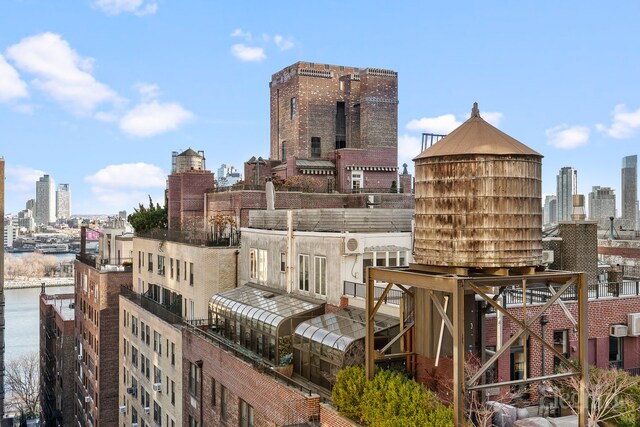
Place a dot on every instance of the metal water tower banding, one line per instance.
(478, 200)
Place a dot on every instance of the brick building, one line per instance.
(173, 279)
(335, 124)
(97, 288)
(57, 359)
(186, 186)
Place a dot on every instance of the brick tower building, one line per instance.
(337, 124)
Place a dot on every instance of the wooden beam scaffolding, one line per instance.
(456, 287)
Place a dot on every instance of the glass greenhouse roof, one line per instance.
(341, 328)
(259, 306)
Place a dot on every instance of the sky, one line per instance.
(98, 93)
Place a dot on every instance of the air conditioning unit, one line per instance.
(132, 391)
(373, 200)
(618, 331)
(352, 246)
(634, 324)
(80, 357)
(123, 409)
(157, 386)
(147, 410)
(547, 257)
(134, 424)
(87, 399)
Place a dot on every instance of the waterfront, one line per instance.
(22, 332)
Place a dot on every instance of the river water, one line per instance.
(22, 312)
(22, 323)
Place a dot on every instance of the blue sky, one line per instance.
(98, 93)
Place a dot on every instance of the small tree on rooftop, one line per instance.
(147, 218)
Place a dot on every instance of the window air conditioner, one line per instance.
(134, 424)
(80, 357)
(634, 324)
(618, 331)
(352, 246)
(547, 257)
(147, 410)
(123, 409)
(87, 399)
(157, 386)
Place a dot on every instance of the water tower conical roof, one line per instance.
(476, 136)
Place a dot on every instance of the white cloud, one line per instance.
(147, 91)
(492, 117)
(242, 34)
(128, 175)
(60, 72)
(153, 118)
(22, 179)
(440, 125)
(282, 42)
(11, 86)
(125, 186)
(625, 123)
(247, 53)
(408, 148)
(567, 137)
(137, 7)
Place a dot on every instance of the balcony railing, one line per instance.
(539, 295)
(190, 237)
(359, 290)
(121, 264)
(151, 306)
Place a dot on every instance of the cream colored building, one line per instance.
(172, 283)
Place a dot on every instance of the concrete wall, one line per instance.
(214, 270)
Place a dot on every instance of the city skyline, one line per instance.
(198, 77)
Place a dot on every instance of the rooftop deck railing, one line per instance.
(359, 290)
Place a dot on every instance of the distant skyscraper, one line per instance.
(550, 207)
(45, 200)
(567, 181)
(602, 203)
(31, 205)
(227, 176)
(63, 201)
(629, 190)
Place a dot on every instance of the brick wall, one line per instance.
(273, 402)
(185, 196)
(329, 417)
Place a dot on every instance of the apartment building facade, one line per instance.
(173, 281)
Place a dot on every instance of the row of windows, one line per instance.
(130, 320)
(174, 267)
(246, 416)
(145, 399)
(259, 271)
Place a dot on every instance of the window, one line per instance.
(191, 273)
(185, 270)
(315, 146)
(561, 344)
(213, 392)
(194, 380)
(171, 268)
(178, 270)
(320, 271)
(161, 265)
(246, 414)
(150, 265)
(258, 258)
(134, 326)
(157, 413)
(134, 356)
(157, 342)
(157, 375)
(283, 262)
(142, 332)
(284, 151)
(615, 352)
(223, 403)
(173, 393)
(140, 258)
(173, 354)
(357, 179)
(193, 422)
(148, 336)
(303, 274)
(294, 108)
